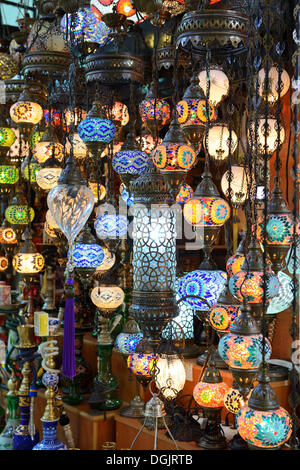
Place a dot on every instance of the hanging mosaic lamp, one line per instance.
(125, 8)
(48, 147)
(26, 113)
(262, 423)
(127, 341)
(173, 157)
(18, 213)
(110, 225)
(241, 349)
(192, 113)
(107, 297)
(154, 112)
(87, 254)
(234, 263)
(204, 284)
(249, 283)
(87, 31)
(279, 229)
(96, 130)
(208, 211)
(7, 138)
(9, 175)
(209, 394)
(28, 261)
(130, 162)
(49, 173)
(224, 313)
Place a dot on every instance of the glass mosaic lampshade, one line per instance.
(28, 260)
(53, 118)
(107, 297)
(243, 352)
(26, 112)
(155, 113)
(85, 27)
(218, 144)
(120, 114)
(205, 284)
(221, 317)
(206, 211)
(130, 161)
(7, 137)
(279, 229)
(45, 150)
(141, 364)
(19, 214)
(210, 395)
(264, 429)
(9, 174)
(96, 130)
(129, 338)
(111, 226)
(251, 286)
(234, 263)
(3, 263)
(218, 85)
(87, 256)
(233, 401)
(8, 236)
(185, 194)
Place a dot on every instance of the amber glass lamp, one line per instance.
(48, 147)
(28, 262)
(26, 113)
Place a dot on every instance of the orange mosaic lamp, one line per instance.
(209, 394)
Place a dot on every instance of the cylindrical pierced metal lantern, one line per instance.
(154, 254)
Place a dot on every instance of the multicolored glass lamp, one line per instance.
(142, 362)
(28, 262)
(241, 349)
(223, 314)
(130, 162)
(18, 213)
(209, 394)
(26, 113)
(126, 343)
(48, 147)
(249, 283)
(208, 212)
(234, 262)
(9, 175)
(87, 31)
(192, 113)
(96, 130)
(126, 8)
(173, 157)
(154, 112)
(279, 229)
(48, 175)
(262, 423)
(185, 193)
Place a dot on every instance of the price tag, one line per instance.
(41, 324)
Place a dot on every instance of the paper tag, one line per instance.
(41, 324)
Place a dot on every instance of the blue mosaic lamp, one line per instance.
(130, 162)
(111, 226)
(86, 28)
(87, 254)
(207, 284)
(128, 339)
(95, 130)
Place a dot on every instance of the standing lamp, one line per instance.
(209, 394)
(126, 343)
(104, 396)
